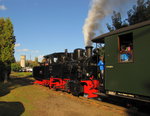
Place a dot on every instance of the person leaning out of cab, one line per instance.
(101, 68)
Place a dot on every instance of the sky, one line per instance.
(43, 27)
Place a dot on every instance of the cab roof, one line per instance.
(55, 54)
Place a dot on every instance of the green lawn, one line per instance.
(14, 96)
(20, 97)
(21, 74)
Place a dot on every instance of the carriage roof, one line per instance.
(100, 39)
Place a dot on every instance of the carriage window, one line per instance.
(126, 48)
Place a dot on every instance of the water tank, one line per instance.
(23, 61)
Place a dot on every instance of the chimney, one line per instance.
(88, 51)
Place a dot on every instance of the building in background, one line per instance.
(23, 61)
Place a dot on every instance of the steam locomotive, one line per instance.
(78, 73)
(72, 72)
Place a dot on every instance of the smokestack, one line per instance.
(88, 51)
(99, 9)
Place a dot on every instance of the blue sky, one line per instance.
(45, 26)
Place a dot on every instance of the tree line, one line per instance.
(7, 44)
(138, 13)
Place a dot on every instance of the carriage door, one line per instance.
(111, 61)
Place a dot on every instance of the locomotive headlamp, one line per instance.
(87, 74)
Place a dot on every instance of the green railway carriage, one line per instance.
(128, 77)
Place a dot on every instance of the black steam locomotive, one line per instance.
(78, 73)
(72, 72)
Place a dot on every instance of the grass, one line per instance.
(20, 97)
(12, 96)
(20, 74)
(16, 80)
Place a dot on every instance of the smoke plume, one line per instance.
(99, 9)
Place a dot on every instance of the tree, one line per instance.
(138, 13)
(30, 63)
(117, 22)
(36, 59)
(7, 44)
(148, 9)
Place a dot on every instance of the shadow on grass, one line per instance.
(11, 108)
(15, 82)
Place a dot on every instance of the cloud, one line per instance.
(22, 50)
(35, 51)
(27, 50)
(17, 44)
(3, 7)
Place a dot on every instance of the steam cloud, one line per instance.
(99, 9)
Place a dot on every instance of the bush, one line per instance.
(15, 67)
